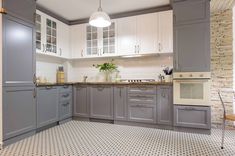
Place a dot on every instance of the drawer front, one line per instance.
(142, 99)
(65, 88)
(142, 90)
(192, 116)
(65, 96)
(65, 110)
(142, 113)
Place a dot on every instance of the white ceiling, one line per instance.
(79, 9)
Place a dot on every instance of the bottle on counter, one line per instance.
(60, 75)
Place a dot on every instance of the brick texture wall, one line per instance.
(221, 62)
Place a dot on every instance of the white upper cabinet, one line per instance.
(165, 32)
(127, 36)
(147, 33)
(52, 36)
(78, 41)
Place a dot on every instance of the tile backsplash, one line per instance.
(130, 68)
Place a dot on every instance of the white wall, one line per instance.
(148, 67)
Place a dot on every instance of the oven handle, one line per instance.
(190, 81)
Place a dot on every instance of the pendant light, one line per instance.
(100, 18)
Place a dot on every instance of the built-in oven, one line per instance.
(192, 88)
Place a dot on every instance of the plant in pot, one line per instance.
(107, 68)
(168, 74)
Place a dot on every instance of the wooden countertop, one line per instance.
(104, 83)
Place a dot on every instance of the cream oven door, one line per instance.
(192, 91)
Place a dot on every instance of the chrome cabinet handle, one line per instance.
(34, 79)
(48, 87)
(34, 93)
(120, 92)
(190, 109)
(65, 95)
(65, 104)
(159, 47)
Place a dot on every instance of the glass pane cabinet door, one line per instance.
(51, 37)
(109, 39)
(38, 32)
(92, 40)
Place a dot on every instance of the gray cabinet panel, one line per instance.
(24, 9)
(191, 11)
(18, 52)
(65, 109)
(164, 105)
(142, 113)
(192, 116)
(192, 48)
(47, 106)
(81, 104)
(101, 102)
(142, 89)
(120, 102)
(19, 111)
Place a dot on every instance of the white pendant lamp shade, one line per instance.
(100, 18)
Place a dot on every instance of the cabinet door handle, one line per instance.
(48, 87)
(34, 79)
(66, 104)
(159, 47)
(65, 87)
(65, 95)
(60, 52)
(82, 53)
(120, 92)
(34, 93)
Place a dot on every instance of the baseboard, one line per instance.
(65, 120)
(193, 130)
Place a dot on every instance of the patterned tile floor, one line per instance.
(86, 138)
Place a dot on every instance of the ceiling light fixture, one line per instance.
(100, 18)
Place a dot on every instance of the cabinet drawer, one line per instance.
(65, 96)
(142, 99)
(142, 113)
(192, 116)
(142, 90)
(65, 110)
(65, 88)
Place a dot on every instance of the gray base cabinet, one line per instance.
(192, 116)
(65, 102)
(142, 104)
(47, 106)
(164, 105)
(120, 103)
(101, 102)
(81, 98)
(19, 111)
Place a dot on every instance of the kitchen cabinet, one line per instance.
(144, 34)
(192, 116)
(192, 48)
(142, 104)
(65, 102)
(23, 9)
(120, 103)
(52, 36)
(164, 105)
(18, 52)
(81, 101)
(191, 11)
(78, 41)
(101, 42)
(47, 106)
(19, 111)
(165, 33)
(127, 36)
(101, 102)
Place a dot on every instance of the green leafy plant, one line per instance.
(106, 67)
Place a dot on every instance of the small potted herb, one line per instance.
(168, 74)
(107, 68)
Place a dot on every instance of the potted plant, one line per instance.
(168, 74)
(107, 68)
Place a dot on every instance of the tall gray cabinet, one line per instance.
(191, 35)
(18, 64)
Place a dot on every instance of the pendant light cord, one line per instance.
(99, 9)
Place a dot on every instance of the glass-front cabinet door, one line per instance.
(91, 41)
(38, 22)
(51, 36)
(109, 40)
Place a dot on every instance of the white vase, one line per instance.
(168, 78)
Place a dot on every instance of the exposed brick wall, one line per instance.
(221, 61)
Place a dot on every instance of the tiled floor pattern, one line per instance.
(85, 138)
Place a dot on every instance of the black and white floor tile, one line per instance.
(77, 138)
